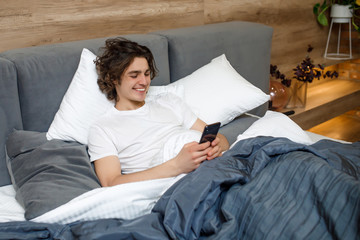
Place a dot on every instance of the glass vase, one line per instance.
(278, 95)
(298, 95)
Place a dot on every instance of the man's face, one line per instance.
(135, 82)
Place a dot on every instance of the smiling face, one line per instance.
(134, 84)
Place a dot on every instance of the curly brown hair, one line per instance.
(118, 54)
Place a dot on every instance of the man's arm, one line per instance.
(108, 169)
(219, 145)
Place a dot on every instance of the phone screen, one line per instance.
(210, 132)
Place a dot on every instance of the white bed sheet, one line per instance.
(126, 201)
(317, 137)
(135, 199)
(10, 209)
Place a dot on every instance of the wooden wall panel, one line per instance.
(26, 23)
(294, 24)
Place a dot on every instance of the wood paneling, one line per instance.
(294, 24)
(26, 23)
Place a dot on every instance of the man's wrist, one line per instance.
(173, 167)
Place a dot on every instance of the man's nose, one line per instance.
(143, 79)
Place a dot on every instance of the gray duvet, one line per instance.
(263, 188)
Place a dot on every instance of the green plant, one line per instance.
(320, 11)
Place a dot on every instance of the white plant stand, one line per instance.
(340, 14)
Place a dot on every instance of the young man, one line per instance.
(127, 143)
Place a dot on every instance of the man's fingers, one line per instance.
(215, 142)
(201, 159)
(215, 152)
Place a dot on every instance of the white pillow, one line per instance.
(155, 91)
(84, 103)
(276, 124)
(216, 92)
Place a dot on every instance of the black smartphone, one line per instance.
(210, 132)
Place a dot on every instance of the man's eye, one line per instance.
(147, 74)
(133, 76)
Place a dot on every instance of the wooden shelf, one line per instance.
(327, 100)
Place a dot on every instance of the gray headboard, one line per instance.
(246, 45)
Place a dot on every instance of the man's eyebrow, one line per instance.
(134, 71)
(137, 71)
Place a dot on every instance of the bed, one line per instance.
(277, 181)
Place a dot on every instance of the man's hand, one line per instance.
(191, 155)
(215, 149)
(218, 146)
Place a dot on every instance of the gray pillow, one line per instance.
(47, 174)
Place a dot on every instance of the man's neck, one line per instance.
(129, 106)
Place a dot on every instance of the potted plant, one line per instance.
(340, 9)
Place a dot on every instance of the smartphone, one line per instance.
(210, 132)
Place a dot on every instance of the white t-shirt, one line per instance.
(144, 137)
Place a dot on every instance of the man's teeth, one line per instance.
(140, 89)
